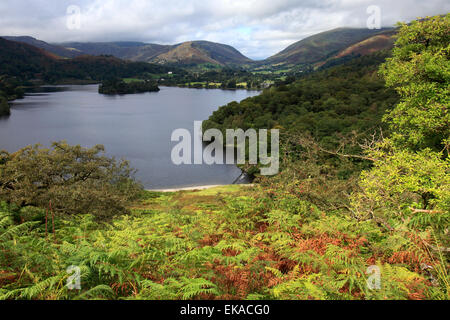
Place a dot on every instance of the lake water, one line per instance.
(136, 127)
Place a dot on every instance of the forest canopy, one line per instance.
(118, 86)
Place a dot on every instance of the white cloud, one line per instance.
(258, 28)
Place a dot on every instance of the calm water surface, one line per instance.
(136, 127)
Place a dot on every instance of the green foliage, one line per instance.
(240, 244)
(117, 86)
(323, 119)
(408, 189)
(28, 62)
(101, 68)
(322, 45)
(10, 89)
(296, 236)
(225, 78)
(420, 71)
(401, 179)
(411, 170)
(4, 107)
(69, 179)
(326, 104)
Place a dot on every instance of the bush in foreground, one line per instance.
(70, 179)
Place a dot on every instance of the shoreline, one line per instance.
(197, 187)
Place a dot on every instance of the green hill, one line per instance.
(186, 53)
(23, 60)
(135, 51)
(317, 49)
(321, 46)
(59, 51)
(28, 62)
(325, 104)
(378, 42)
(198, 52)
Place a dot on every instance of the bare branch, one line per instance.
(414, 210)
(336, 153)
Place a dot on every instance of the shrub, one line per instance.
(71, 179)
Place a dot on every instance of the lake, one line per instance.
(136, 127)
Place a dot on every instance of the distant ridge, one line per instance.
(186, 53)
(382, 41)
(27, 62)
(23, 60)
(190, 52)
(317, 50)
(321, 46)
(197, 52)
(127, 50)
(59, 51)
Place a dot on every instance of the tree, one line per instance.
(420, 71)
(408, 187)
(118, 86)
(231, 84)
(72, 178)
(4, 107)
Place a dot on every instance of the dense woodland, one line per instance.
(337, 108)
(118, 86)
(10, 89)
(351, 97)
(4, 107)
(364, 186)
(224, 78)
(41, 65)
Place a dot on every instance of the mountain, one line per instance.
(321, 46)
(378, 42)
(23, 60)
(186, 53)
(26, 62)
(197, 52)
(127, 50)
(381, 41)
(59, 51)
(332, 46)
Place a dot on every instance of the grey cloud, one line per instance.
(258, 28)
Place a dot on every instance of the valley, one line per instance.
(94, 183)
(194, 64)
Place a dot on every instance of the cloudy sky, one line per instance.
(258, 28)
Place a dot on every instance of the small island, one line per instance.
(118, 86)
